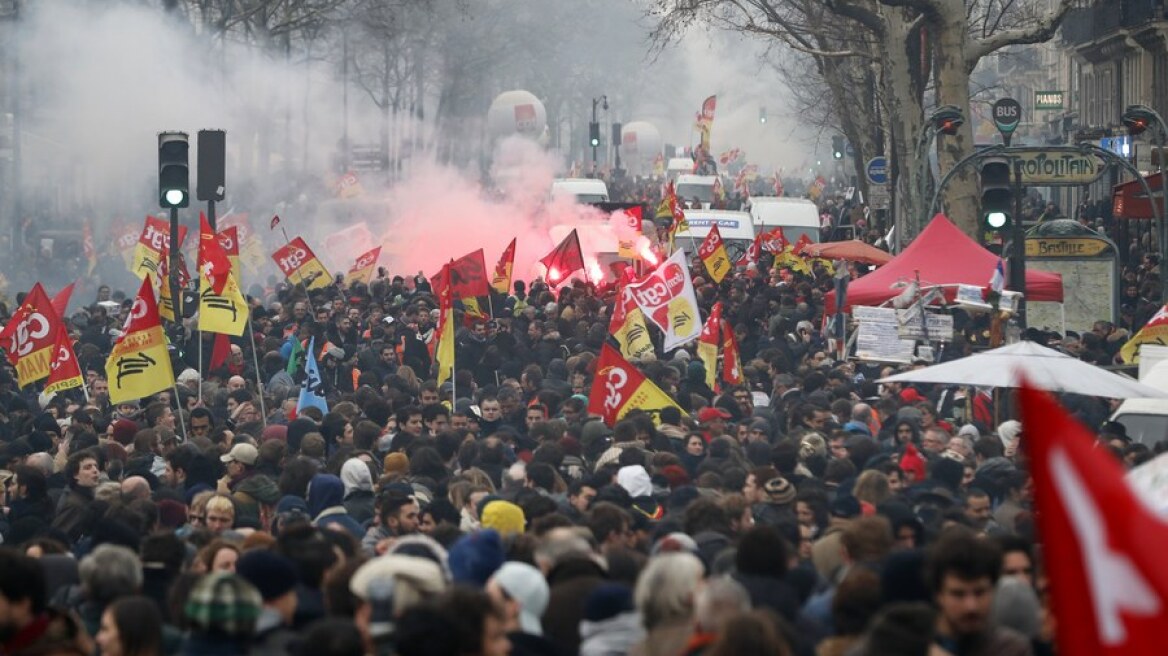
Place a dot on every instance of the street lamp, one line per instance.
(945, 119)
(1137, 119)
(594, 128)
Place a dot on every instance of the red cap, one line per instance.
(709, 413)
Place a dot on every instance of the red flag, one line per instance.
(564, 260)
(619, 388)
(731, 360)
(87, 245)
(220, 350)
(275, 221)
(773, 241)
(1103, 547)
(752, 253)
(468, 277)
(61, 301)
(64, 372)
(29, 335)
(213, 261)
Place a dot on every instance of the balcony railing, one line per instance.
(1082, 25)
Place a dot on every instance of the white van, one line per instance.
(690, 186)
(583, 190)
(735, 227)
(678, 166)
(796, 216)
(1146, 420)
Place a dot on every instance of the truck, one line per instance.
(583, 190)
(796, 216)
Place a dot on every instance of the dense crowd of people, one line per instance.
(808, 510)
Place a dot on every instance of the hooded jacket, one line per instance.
(614, 636)
(358, 482)
(325, 496)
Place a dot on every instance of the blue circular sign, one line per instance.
(877, 170)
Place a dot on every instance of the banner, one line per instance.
(364, 267)
(139, 364)
(125, 239)
(301, 266)
(773, 241)
(229, 242)
(1153, 332)
(628, 327)
(501, 281)
(444, 349)
(667, 297)
(29, 336)
(620, 388)
(224, 313)
(154, 239)
(713, 255)
(468, 277)
(629, 231)
(708, 345)
(64, 371)
(312, 389)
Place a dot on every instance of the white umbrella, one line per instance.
(1045, 368)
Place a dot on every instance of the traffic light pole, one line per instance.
(1018, 247)
(175, 297)
(594, 103)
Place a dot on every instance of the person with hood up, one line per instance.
(358, 482)
(325, 505)
(522, 592)
(611, 624)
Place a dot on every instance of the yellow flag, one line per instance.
(628, 327)
(713, 255)
(224, 313)
(708, 345)
(139, 364)
(1153, 332)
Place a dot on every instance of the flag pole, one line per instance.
(182, 424)
(299, 276)
(200, 365)
(255, 358)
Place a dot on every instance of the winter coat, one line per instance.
(73, 512)
(770, 592)
(54, 633)
(668, 639)
(325, 494)
(612, 637)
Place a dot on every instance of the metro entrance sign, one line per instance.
(1007, 114)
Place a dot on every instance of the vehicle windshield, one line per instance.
(1145, 429)
(590, 198)
(704, 193)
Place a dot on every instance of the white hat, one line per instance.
(245, 453)
(527, 586)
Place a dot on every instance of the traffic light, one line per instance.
(1137, 119)
(837, 147)
(174, 177)
(762, 115)
(594, 134)
(997, 194)
(946, 119)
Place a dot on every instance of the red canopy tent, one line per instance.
(1128, 200)
(942, 255)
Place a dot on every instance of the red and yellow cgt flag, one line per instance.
(1153, 332)
(29, 336)
(708, 345)
(620, 388)
(301, 266)
(213, 263)
(501, 281)
(154, 239)
(628, 327)
(139, 364)
(467, 276)
(64, 371)
(444, 348)
(222, 312)
(713, 254)
(364, 267)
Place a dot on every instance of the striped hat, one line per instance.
(223, 603)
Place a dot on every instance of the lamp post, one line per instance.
(1137, 119)
(944, 119)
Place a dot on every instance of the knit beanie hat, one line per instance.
(476, 556)
(223, 603)
(272, 574)
(503, 516)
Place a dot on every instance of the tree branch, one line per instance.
(861, 15)
(924, 6)
(1041, 31)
